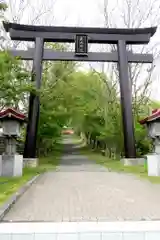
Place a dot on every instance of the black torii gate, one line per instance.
(81, 37)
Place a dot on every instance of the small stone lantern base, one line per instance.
(132, 161)
(11, 165)
(153, 163)
(30, 162)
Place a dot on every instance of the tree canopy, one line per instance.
(86, 100)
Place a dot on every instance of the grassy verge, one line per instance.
(9, 186)
(115, 165)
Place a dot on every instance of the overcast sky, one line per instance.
(84, 13)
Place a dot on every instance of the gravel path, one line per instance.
(82, 191)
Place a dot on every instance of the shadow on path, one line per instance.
(71, 153)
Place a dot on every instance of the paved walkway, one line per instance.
(82, 191)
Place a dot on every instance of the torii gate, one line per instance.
(81, 37)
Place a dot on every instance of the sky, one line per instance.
(86, 13)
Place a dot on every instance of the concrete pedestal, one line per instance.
(11, 165)
(132, 161)
(30, 162)
(153, 162)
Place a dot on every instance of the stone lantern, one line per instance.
(11, 163)
(152, 123)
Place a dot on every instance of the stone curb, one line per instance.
(7, 206)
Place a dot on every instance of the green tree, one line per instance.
(14, 81)
(53, 112)
(3, 7)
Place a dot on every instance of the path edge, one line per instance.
(4, 209)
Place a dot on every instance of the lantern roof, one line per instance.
(153, 117)
(10, 113)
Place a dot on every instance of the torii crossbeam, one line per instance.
(81, 37)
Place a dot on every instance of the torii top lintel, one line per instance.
(67, 34)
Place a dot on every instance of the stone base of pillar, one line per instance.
(30, 162)
(11, 165)
(133, 161)
(153, 163)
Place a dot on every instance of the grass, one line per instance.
(9, 186)
(117, 166)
